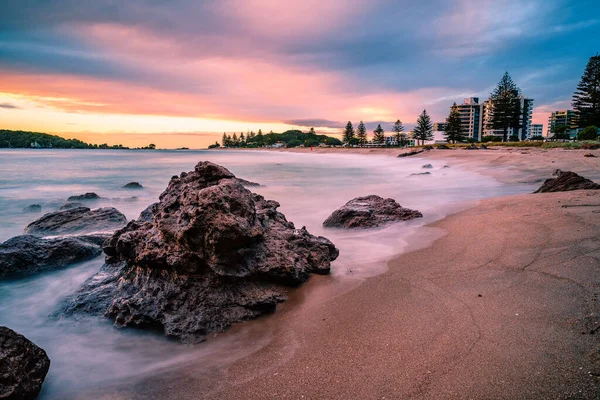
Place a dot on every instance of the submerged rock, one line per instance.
(77, 220)
(68, 206)
(420, 173)
(23, 366)
(33, 208)
(248, 183)
(208, 254)
(83, 197)
(28, 255)
(410, 153)
(369, 212)
(566, 181)
(427, 166)
(133, 185)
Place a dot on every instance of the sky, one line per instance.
(182, 72)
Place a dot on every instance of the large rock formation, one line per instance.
(566, 181)
(369, 212)
(23, 366)
(208, 254)
(27, 254)
(77, 220)
(84, 197)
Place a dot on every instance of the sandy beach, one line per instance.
(503, 306)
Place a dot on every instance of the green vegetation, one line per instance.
(291, 138)
(424, 129)
(399, 135)
(589, 133)
(506, 105)
(453, 132)
(361, 133)
(586, 99)
(379, 135)
(38, 140)
(348, 135)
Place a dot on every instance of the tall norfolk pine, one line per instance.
(424, 129)
(399, 134)
(453, 131)
(586, 99)
(378, 133)
(348, 133)
(506, 106)
(361, 133)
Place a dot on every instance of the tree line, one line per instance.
(290, 138)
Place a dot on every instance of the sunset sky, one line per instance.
(180, 73)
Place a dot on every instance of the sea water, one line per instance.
(90, 355)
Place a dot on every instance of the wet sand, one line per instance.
(504, 306)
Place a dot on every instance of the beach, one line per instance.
(503, 306)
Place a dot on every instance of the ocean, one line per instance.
(91, 354)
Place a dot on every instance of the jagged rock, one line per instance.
(28, 255)
(77, 220)
(23, 366)
(84, 197)
(68, 206)
(133, 185)
(427, 166)
(471, 147)
(420, 173)
(369, 212)
(410, 153)
(208, 254)
(33, 208)
(566, 181)
(248, 183)
(443, 147)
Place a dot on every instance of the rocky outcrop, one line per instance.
(566, 181)
(77, 220)
(68, 206)
(369, 212)
(133, 185)
(410, 153)
(84, 197)
(28, 255)
(23, 366)
(33, 208)
(208, 254)
(248, 183)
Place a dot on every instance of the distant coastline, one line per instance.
(37, 140)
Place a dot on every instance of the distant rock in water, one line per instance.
(427, 166)
(33, 208)
(77, 220)
(248, 183)
(410, 153)
(68, 206)
(84, 197)
(369, 212)
(566, 181)
(420, 173)
(133, 185)
(23, 366)
(208, 254)
(28, 255)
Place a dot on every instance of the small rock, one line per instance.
(23, 366)
(369, 212)
(590, 155)
(77, 220)
(68, 206)
(410, 153)
(427, 166)
(83, 197)
(472, 147)
(483, 147)
(133, 185)
(33, 208)
(443, 147)
(420, 173)
(428, 148)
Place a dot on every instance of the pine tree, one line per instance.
(453, 131)
(361, 133)
(312, 131)
(505, 106)
(424, 129)
(242, 139)
(224, 140)
(260, 139)
(586, 99)
(378, 134)
(348, 134)
(399, 134)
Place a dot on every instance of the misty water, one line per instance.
(91, 353)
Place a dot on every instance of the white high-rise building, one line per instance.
(523, 132)
(536, 130)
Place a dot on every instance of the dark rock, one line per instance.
(68, 206)
(590, 155)
(420, 173)
(428, 148)
(208, 254)
(77, 220)
(446, 166)
(483, 147)
(23, 366)
(471, 147)
(443, 147)
(28, 255)
(566, 181)
(33, 208)
(84, 197)
(427, 166)
(369, 212)
(410, 153)
(133, 185)
(248, 183)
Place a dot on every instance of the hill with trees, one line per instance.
(291, 138)
(38, 140)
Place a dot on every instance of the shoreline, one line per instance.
(512, 282)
